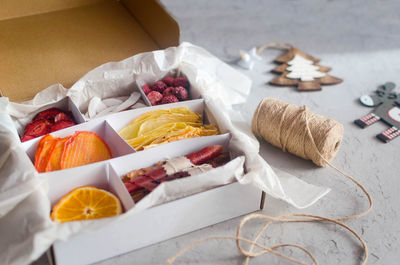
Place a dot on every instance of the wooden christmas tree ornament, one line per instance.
(387, 109)
(302, 70)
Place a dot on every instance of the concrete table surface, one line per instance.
(360, 40)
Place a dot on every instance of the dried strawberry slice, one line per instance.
(27, 138)
(63, 116)
(61, 125)
(48, 114)
(37, 128)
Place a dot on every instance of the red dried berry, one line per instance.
(48, 114)
(169, 99)
(168, 91)
(37, 128)
(154, 97)
(159, 86)
(62, 116)
(27, 138)
(182, 81)
(61, 125)
(146, 89)
(181, 93)
(169, 81)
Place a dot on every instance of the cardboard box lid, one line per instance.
(45, 42)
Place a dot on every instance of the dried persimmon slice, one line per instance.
(84, 148)
(45, 146)
(54, 162)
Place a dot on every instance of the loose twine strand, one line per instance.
(310, 136)
(279, 45)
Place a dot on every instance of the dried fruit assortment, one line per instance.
(168, 90)
(47, 121)
(86, 203)
(163, 126)
(82, 148)
(141, 182)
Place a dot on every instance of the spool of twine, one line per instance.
(288, 126)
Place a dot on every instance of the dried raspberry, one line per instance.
(168, 91)
(154, 97)
(180, 92)
(182, 81)
(169, 99)
(146, 89)
(37, 128)
(61, 125)
(159, 86)
(169, 81)
(27, 138)
(62, 116)
(48, 114)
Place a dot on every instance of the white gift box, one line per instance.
(172, 209)
(27, 195)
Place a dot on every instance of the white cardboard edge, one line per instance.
(118, 188)
(78, 116)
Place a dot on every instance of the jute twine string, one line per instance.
(308, 135)
(279, 45)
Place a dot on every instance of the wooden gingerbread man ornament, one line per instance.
(301, 69)
(387, 109)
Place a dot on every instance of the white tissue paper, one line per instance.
(25, 226)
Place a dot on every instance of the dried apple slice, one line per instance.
(84, 148)
(43, 150)
(54, 162)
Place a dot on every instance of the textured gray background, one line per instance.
(360, 41)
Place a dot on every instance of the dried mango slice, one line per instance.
(54, 162)
(84, 148)
(43, 150)
(163, 126)
(153, 119)
(161, 132)
(150, 125)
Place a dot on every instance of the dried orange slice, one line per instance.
(43, 150)
(86, 203)
(84, 148)
(54, 162)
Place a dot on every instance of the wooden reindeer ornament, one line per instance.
(301, 69)
(387, 109)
